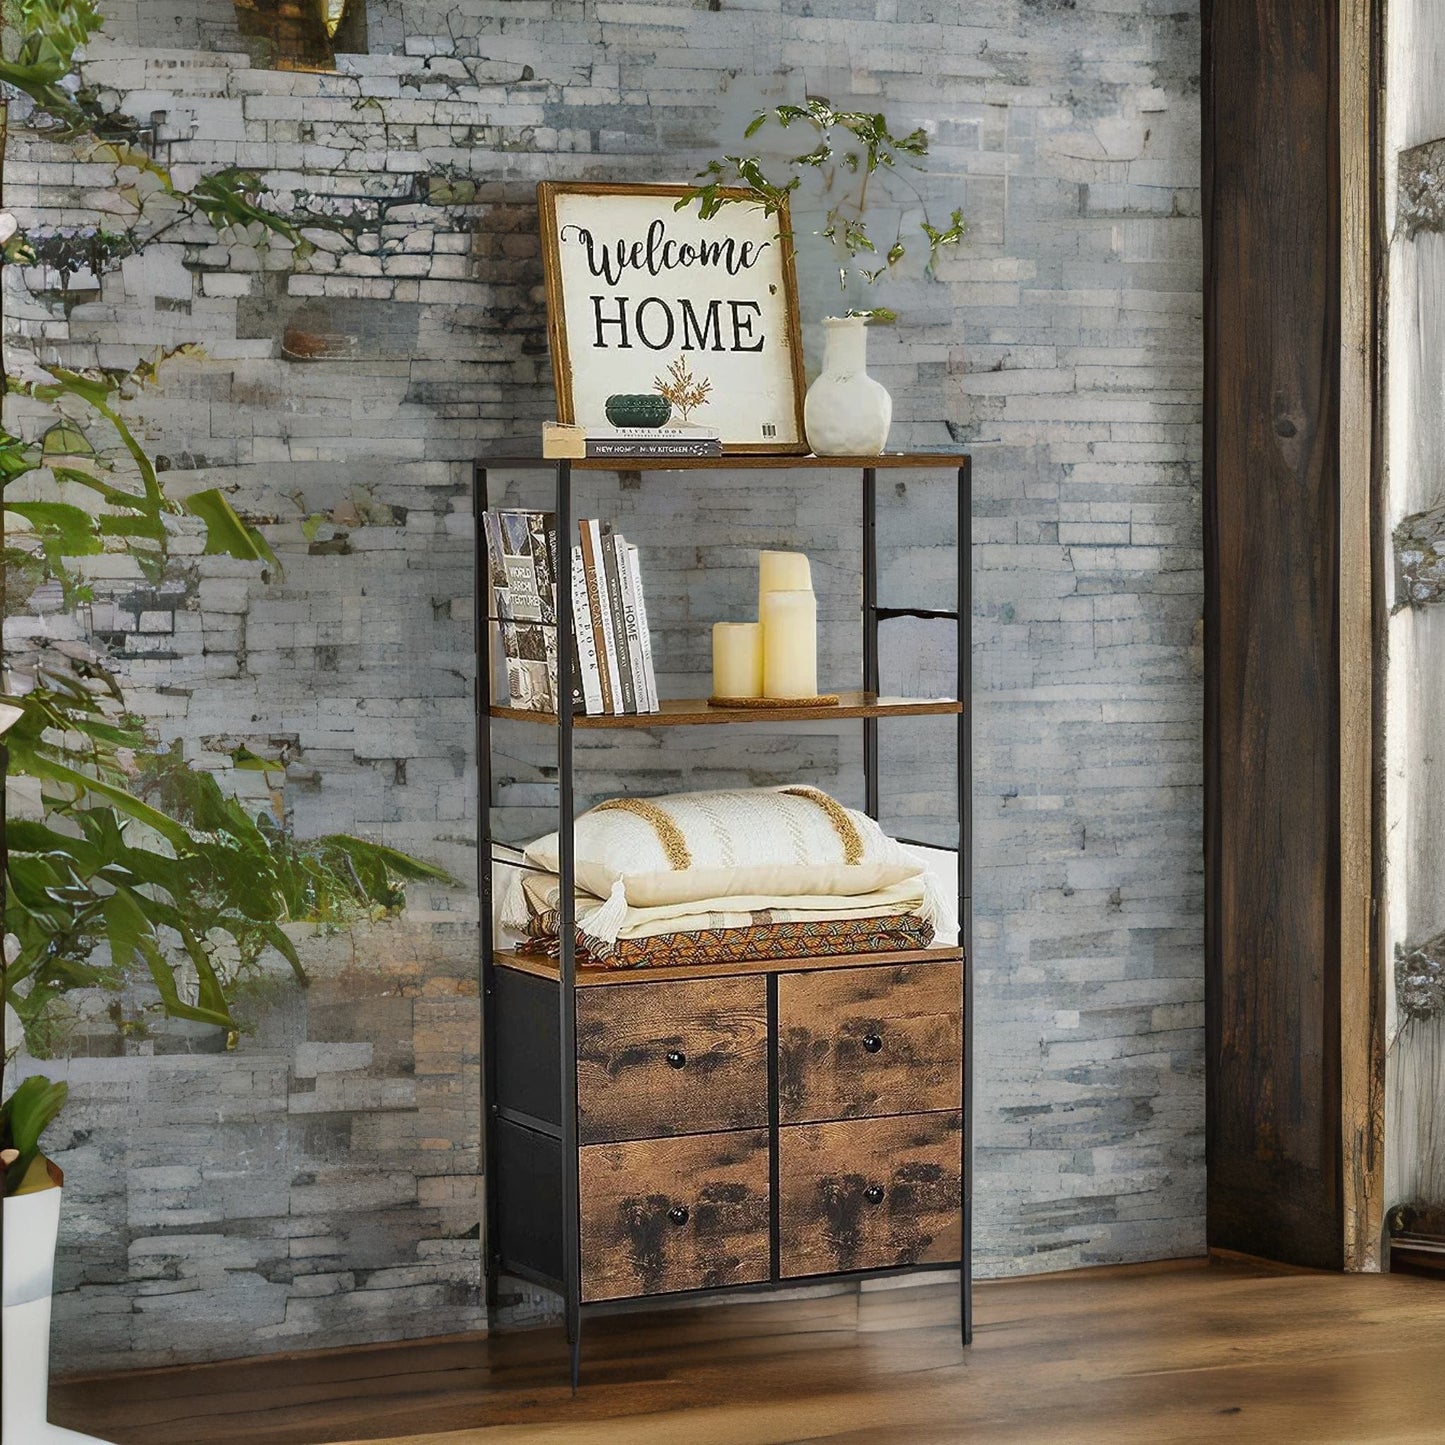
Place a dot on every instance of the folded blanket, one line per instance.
(726, 929)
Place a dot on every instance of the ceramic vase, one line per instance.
(32, 1222)
(846, 413)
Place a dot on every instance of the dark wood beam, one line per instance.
(1290, 970)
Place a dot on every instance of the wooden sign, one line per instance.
(643, 298)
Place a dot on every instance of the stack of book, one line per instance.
(576, 442)
(609, 612)
(611, 669)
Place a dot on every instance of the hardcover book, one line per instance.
(643, 632)
(576, 442)
(521, 567)
(586, 639)
(619, 624)
(591, 534)
(630, 581)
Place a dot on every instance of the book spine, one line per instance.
(559, 568)
(619, 623)
(644, 634)
(653, 449)
(496, 565)
(586, 641)
(504, 635)
(692, 434)
(591, 534)
(624, 549)
(542, 533)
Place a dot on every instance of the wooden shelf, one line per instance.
(540, 965)
(525, 453)
(694, 711)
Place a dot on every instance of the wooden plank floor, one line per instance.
(1220, 1351)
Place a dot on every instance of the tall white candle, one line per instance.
(782, 572)
(737, 659)
(790, 644)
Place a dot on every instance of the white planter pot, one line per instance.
(31, 1224)
(846, 413)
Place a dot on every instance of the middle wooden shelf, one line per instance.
(694, 711)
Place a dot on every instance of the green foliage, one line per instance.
(174, 876)
(139, 863)
(41, 61)
(851, 146)
(126, 507)
(24, 1117)
(79, 248)
(135, 865)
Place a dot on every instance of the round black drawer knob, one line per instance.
(677, 1059)
(874, 1194)
(871, 1043)
(678, 1214)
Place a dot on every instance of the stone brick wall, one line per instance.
(317, 1186)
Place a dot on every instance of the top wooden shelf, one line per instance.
(523, 454)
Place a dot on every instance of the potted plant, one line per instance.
(31, 1193)
(846, 412)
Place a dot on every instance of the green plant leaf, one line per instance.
(72, 528)
(165, 982)
(402, 864)
(126, 926)
(65, 439)
(226, 534)
(29, 1112)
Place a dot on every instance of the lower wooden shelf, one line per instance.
(540, 965)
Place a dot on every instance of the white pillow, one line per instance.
(783, 842)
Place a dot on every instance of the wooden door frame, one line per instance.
(1363, 556)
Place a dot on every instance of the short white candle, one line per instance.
(790, 644)
(782, 572)
(737, 659)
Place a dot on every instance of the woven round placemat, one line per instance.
(828, 699)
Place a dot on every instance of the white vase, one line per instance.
(32, 1222)
(846, 413)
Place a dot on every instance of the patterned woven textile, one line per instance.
(816, 939)
(731, 930)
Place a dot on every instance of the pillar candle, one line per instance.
(790, 644)
(782, 572)
(737, 659)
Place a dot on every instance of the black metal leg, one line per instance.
(481, 607)
(964, 684)
(567, 923)
(870, 637)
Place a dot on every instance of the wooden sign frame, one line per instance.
(786, 351)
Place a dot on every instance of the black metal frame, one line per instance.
(873, 615)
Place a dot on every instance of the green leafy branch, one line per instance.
(44, 64)
(856, 145)
(172, 874)
(129, 516)
(137, 861)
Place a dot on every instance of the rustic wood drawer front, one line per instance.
(674, 1214)
(864, 1042)
(870, 1194)
(656, 1059)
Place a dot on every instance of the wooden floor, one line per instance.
(1171, 1353)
